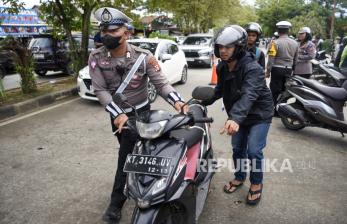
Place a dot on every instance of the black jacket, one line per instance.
(246, 97)
(261, 59)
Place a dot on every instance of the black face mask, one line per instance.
(111, 42)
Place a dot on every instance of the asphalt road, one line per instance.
(58, 166)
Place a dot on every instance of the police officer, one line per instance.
(108, 67)
(307, 51)
(254, 32)
(281, 59)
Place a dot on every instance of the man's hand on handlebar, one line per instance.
(180, 107)
(120, 121)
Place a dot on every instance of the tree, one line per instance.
(24, 63)
(66, 16)
(201, 15)
(272, 11)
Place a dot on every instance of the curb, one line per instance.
(28, 105)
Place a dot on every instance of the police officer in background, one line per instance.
(109, 66)
(254, 32)
(281, 59)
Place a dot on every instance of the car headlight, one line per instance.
(150, 130)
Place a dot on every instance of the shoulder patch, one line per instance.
(154, 63)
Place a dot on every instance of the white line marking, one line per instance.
(36, 112)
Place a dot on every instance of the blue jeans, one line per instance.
(248, 143)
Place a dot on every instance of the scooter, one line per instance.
(325, 72)
(307, 102)
(171, 167)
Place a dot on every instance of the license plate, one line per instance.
(151, 165)
(190, 59)
(39, 56)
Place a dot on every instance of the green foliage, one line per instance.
(161, 36)
(316, 14)
(201, 15)
(24, 63)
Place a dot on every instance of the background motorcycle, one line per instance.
(307, 102)
(325, 72)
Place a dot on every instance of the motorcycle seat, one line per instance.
(192, 135)
(336, 93)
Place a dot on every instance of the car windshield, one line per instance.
(197, 40)
(147, 46)
(42, 42)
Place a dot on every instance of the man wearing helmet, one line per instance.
(281, 59)
(254, 33)
(307, 51)
(248, 104)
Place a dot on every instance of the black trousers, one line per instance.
(127, 140)
(278, 79)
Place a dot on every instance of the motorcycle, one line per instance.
(325, 72)
(307, 102)
(170, 169)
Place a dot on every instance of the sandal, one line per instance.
(227, 188)
(255, 201)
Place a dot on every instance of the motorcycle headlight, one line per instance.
(159, 185)
(150, 130)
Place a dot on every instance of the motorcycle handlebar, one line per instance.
(204, 120)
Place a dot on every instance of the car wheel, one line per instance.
(152, 92)
(2, 72)
(184, 75)
(41, 72)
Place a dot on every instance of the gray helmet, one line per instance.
(231, 35)
(254, 27)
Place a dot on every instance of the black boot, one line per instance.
(112, 215)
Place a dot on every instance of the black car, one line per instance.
(50, 53)
(7, 63)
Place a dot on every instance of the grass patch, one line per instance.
(16, 95)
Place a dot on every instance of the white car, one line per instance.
(170, 58)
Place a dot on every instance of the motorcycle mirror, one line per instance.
(203, 93)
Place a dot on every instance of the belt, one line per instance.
(283, 66)
(128, 110)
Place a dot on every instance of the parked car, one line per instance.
(7, 63)
(198, 49)
(52, 54)
(170, 58)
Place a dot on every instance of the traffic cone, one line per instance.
(214, 75)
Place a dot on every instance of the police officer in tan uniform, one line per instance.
(109, 66)
(282, 54)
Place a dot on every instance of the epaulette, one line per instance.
(101, 51)
(138, 49)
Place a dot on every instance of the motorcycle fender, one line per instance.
(145, 216)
